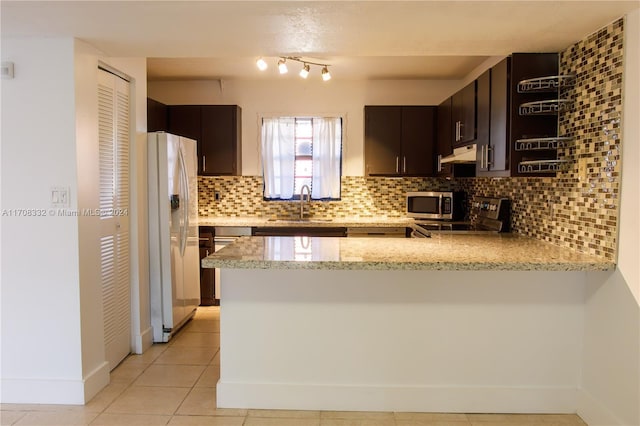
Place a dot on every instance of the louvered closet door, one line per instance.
(113, 117)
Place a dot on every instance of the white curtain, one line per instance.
(278, 156)
(327, 147)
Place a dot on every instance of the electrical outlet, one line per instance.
(582, 169)
(216, 196)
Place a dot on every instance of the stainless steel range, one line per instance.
(490, 215)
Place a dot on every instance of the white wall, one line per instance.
(52, 325)
(41, 335)
(611, 360)
(258, 97)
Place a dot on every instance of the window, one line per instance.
(299, 151)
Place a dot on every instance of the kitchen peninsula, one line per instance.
(452, 323)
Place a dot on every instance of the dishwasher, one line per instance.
(225, 235)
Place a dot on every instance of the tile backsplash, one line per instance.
(361, 197)
(576, 209)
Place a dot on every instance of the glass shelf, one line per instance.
(541, 144)
(546, 84)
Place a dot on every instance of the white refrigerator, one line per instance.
(174, 256)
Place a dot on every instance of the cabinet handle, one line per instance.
(489, 163)
(460, 134)
(397, 164)
(482, 156)
(207, 251)
(439, 166)
(404, 164)
(204, 163)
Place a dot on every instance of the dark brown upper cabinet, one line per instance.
(475, 114)
(400, 140)
(217, 129)
(185, 120)
(463, 115)
(500, 155)
(220, 153)
(492, 148)
(444, 146)
(156, 116)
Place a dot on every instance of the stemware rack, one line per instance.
(538, 155)
(543, 166)
(543, 144)
(546, 84)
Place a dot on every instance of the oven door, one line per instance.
(429, 205)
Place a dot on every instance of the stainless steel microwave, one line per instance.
(440, 205)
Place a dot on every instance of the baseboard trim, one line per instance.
(397, 398)
(95, 381)
(143, 341)
(55, 390)
(594, 413)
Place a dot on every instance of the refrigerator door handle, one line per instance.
(184, 228)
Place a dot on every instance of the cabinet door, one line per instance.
(383, 140)
(444, 137)
(220, 150)
(207, 275)
(207, 281)
(464, 115)
(184, 120)
(498, 154)
(156, 116)
(418, 140)
(483, 121)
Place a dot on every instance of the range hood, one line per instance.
(464, 154)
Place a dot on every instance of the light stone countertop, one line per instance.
(309, 222)
(441, 252)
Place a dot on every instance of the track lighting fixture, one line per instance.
(304, 72)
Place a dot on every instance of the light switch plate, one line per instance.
(59, 196)
(6, 70)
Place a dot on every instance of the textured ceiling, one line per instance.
(361, 39)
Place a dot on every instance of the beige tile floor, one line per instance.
(174, 384)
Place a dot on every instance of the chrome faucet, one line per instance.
(302, 199)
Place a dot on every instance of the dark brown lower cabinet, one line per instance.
(207, 275)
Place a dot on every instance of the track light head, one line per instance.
(261, 64)
(304, 72)
(326, 75)
(282, 66)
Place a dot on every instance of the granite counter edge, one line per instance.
(416, 266)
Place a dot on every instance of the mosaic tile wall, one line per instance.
(361, 197)
(578, 210)
(572, 210)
